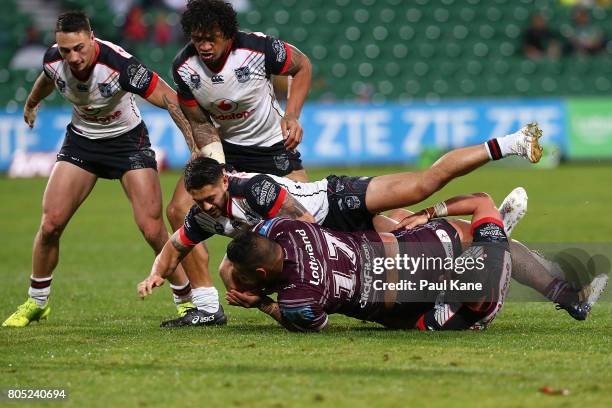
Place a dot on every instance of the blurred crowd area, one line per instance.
(361, 50)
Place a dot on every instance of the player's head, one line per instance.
(207, 183)
(75, 40)
(256, 259)
(211, 25)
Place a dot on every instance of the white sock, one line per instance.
(181, 293)
(39, 290)
(506, 143)
(206, 299)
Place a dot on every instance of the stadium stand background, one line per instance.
(375, 50)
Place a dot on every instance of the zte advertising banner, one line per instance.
(334, 134)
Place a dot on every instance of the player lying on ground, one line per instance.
(344, 203)
(106, 138)
(316, 271)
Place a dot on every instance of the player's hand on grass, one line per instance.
(243, 299)
(414, 220)
(146, 287)
(292, 131)
(29, 114)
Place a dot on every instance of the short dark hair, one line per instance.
(72, 22)
(247, 250)
(202, 171)
(207, 15)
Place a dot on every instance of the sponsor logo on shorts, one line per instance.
(217, 79)
(195, 81)
(243, 74)
(352, 202)
(279, 49)
(281, 161)
(139, 76)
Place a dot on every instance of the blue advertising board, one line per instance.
(335, 134)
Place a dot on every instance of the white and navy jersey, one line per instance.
(239, 97)
(104, 105)
(252, 198)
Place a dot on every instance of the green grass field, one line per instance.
(104, 345)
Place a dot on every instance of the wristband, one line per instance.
(440, 210)
(214, 150)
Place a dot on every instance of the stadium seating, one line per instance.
(386, 49)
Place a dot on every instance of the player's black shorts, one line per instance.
(347, 204)
(275, 159)
(109, 158)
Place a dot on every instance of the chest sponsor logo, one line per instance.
(279, 50)
(61, 85)
(225, 105)
(139, 76)
(82, 88)
(195, 81)
(217, 79)
(243, 74)
(106, 90)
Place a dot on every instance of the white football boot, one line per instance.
(526, 142)
(513, 208)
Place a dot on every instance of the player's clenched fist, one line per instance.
(145, 287)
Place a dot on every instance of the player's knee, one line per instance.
(484, 198)
(176, 215)
(154, 233)
(51, 227)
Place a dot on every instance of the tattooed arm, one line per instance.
(205, 135)
(165, 263)
(301, 71)
(181, 121)
(291, 208)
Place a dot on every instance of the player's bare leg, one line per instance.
(404, 189)
(144, 192)
(298, 175)
(67, 188)
(204, 294)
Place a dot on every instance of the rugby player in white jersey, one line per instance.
(223, 79)
(105, 138)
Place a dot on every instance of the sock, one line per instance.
(493, 149)
(206, 299)
(559, 291)
(39, 290)
(181, 294)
